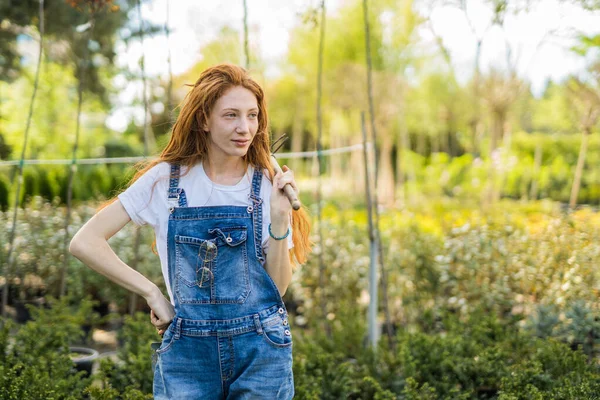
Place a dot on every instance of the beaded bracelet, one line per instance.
(278, 237)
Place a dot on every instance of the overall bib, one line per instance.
(230, 337)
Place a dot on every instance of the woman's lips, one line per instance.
(240, 143)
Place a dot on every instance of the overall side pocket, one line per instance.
(167, 340)
(276, 331)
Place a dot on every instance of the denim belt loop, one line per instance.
(177, 329)
(258, 324)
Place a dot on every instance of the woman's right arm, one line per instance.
(90, 245)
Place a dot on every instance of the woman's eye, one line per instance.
(254, 115)
(231, 115)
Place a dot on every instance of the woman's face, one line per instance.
(233, 123)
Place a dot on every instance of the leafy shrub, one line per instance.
(35, 359)
(134, 367)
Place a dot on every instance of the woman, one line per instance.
(227, 239)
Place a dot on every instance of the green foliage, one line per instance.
(4, 192)
(109, 393)
(227, 48)
(499, 305)
(413, 391)
(49, 182)
(514, 173)
(5, 149)
(134, 369)
(553, 372)
(35, 359)
(60, 29)
(494, 306)
(469, 294)
(435, 108)
(590, 4)
(370, 389)
(552, 112)
(322, 375)
(480, 357)
(40, 247)
(543, 321)
(322, 370)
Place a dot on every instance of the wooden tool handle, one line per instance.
(287, 189)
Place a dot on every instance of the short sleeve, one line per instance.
(137, 199)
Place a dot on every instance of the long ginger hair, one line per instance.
(189, 144)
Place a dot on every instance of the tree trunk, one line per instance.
(400, 153)
(297, 134)
(357, 171)
(421, 143)
(496, 131)
(451, 150)
(579, 168)
(386, 172)
(489, 194)
(435, 143)
(474, 142)
(475, 122)
(337, 172)
(443, 138)
(503, 172)
(537, 163)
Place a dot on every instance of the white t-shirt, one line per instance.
(146, 204)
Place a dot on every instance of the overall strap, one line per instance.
(176, 194)
(256, 210)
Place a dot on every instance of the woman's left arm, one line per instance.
(278, 263)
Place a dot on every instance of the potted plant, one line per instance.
(84, 358)
(30, 291)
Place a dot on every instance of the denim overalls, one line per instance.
(230, 337)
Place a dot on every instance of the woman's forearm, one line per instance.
(96, 253)
(278, 264)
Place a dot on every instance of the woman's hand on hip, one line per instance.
(161, 311)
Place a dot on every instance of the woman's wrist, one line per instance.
(152, 292)
(277, 236)
(279, 228)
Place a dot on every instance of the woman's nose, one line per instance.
(243, 126)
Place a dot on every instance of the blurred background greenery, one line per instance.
(488, 190)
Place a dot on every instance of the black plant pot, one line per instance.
(84, 358)
(86, 329)
(102, 308)
(22, 312)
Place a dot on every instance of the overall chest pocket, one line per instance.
(212, 270)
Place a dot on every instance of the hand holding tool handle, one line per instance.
(287, 189)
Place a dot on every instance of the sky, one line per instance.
(539, 39)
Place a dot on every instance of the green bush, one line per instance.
(495, 305)
(50, 181)
(134, 368)
(40, 245)
(553, 371)
(511, 171)
(4, 192)
(35, 359)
